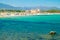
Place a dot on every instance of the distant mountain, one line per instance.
(5, 6)
(8, 7)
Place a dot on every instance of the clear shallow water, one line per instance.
(42, 24)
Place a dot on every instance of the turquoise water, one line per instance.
(40, 24)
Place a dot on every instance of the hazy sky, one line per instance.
(23, 3)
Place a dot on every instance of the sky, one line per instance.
(32, 3)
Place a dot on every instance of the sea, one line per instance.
(34, 27)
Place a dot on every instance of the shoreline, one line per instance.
(1, 16)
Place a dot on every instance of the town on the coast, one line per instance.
(19, 12)
(37, 11)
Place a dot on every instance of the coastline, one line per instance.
(13, 15)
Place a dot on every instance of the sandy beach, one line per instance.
(26, 14)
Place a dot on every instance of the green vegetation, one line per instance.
(48, 11)
(52, 11)
(12, 10)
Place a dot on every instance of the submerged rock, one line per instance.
(52, 33)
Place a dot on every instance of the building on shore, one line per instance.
(3, 13)
(27, 12)
(33, 11)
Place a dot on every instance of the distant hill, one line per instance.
(4, 6)
(9, 7)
